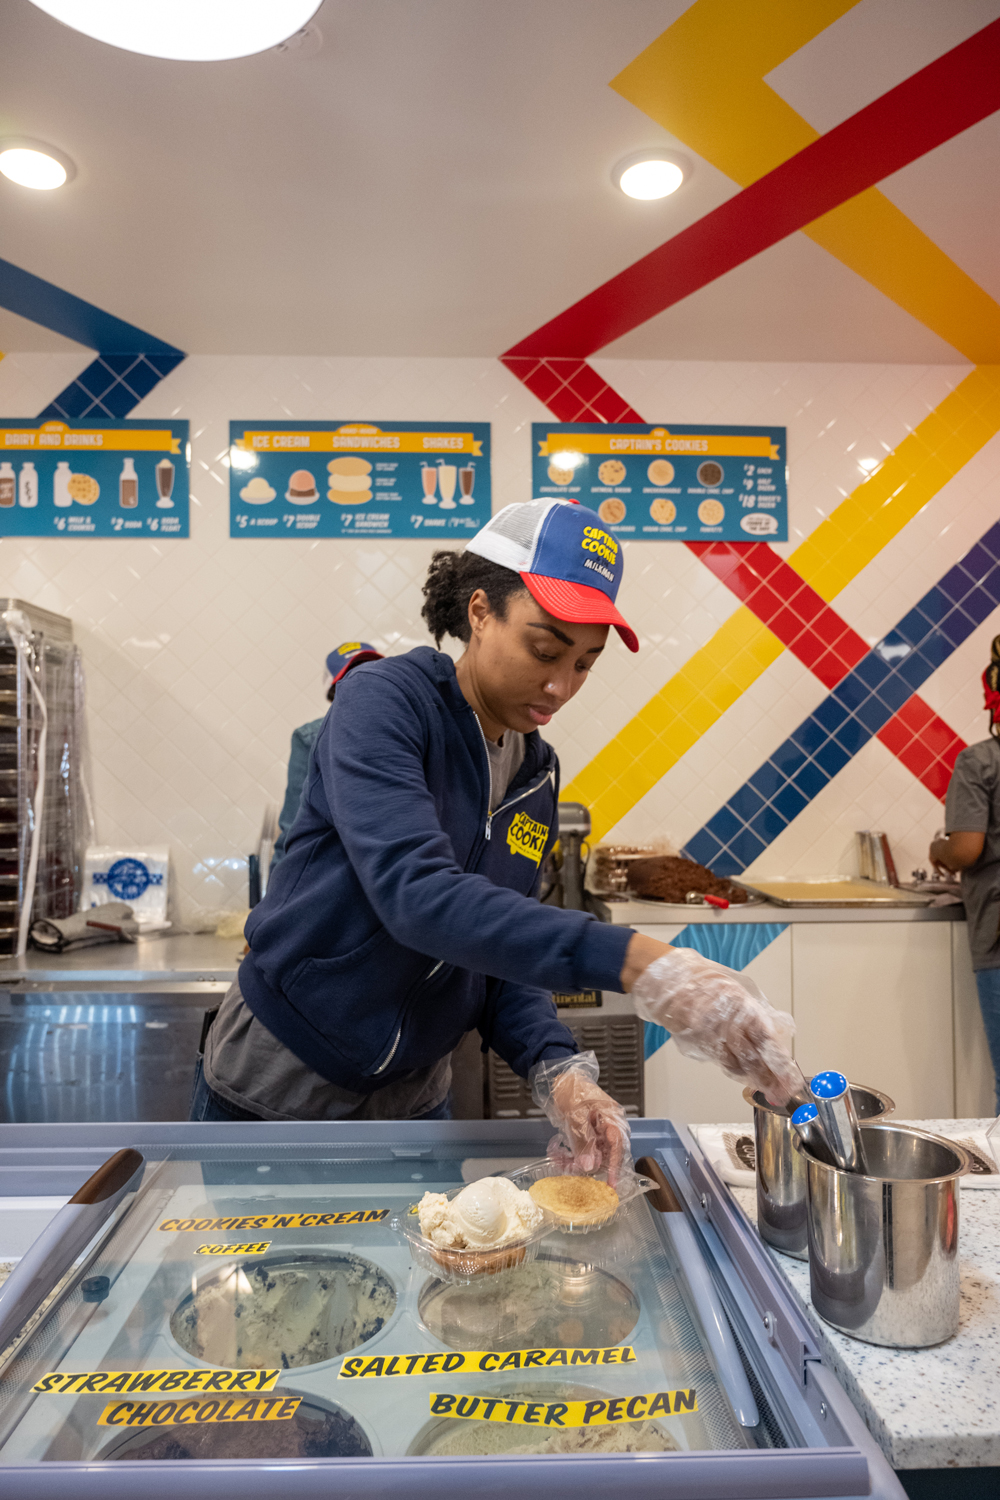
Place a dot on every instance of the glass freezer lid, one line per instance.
(265, 1309)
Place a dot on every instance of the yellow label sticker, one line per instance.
(596, 1413)
(278, 1221)
(525, 836)
(482, 1361)
(661, 440)
(187, 1413)
(123, 1382)
(250, 1247)
(359, 437)
(58, 435)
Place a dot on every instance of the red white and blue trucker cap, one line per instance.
(350, 654)
(567, 558)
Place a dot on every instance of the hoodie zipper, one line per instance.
(504, 806)
(399, 1029)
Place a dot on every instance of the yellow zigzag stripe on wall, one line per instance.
(741, 649)
(702, 80)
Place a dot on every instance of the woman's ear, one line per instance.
(479, 612)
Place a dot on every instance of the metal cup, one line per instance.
(781, 1172)
(883, 1248)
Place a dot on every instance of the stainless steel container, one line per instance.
(883, 1248)
(781, 1172)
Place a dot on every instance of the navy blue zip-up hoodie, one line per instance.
(399, 918)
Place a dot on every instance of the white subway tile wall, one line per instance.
(203, 655)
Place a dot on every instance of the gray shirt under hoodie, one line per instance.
(250, 1068)
(973, 806)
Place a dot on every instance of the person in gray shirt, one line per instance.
(971, 847)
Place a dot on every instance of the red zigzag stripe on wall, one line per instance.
(957, 90)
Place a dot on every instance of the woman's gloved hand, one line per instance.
(717, 1015)
(593, 1129)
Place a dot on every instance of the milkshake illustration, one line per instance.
(164, 484)
(128, 486)
(60, 486)
(429, 479)
(447, 475)
(466, 481)
(27, 486)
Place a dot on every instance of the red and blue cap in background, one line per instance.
(346, 656)
(568, 559)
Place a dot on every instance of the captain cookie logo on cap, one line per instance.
(525, 836)
(603, 546)
(348, 647)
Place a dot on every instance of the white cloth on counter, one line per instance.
(731, 1150)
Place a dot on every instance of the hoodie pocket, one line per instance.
(357, 1001)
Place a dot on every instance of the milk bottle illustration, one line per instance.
(60, 486)
(27, 486)
(8, 484)
(128, 486)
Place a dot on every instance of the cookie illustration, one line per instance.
(711, 512)
(612, 471)
(560, 476)
(348, 468)
(660, 471)
(84, 489)
(612, 511)
(710, 474)
(350, 481)
(664, 511)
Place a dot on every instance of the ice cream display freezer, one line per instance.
(247, 1320)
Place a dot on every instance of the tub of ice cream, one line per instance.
(287, 1311)
(450, 1437)
(488, 1226)
(316, 1429)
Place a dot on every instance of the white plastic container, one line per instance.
(27, 486)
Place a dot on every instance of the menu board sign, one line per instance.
(108, 479)
(351, 478)
(660, 483)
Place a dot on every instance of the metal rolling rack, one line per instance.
(56, 663)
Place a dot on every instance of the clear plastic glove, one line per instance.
(593, 1128)
(717, 1015)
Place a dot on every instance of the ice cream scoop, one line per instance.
(483, 1216)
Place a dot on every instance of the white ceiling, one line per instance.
(436, 180)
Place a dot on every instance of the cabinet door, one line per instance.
(873, 999)
(974, 1089)
(696, 1092)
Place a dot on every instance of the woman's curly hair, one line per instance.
(452, 579)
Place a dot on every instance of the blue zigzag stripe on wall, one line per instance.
(853, 713)
(734, 944)
(128, 367)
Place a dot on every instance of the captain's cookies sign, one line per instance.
(668, 483)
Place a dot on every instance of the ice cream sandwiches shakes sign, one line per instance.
(352, 478)
(107, 479)
(668, 483)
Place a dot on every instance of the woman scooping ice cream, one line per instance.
(404, 914)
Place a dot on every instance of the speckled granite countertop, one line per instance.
(926, 1408)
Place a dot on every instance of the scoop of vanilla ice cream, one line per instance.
(486, 1214)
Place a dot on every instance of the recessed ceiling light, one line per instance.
(651, 174)
(32, 164)
(185, 30)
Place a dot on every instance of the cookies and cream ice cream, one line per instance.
(286, 1315)
(483, 1216)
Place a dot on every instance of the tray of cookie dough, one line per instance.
(271, 1310)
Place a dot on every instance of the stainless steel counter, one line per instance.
(193, 964)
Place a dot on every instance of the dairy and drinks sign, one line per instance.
(353, 478)
(107, 479)
(668, 482)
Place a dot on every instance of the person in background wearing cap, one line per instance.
(338, 664)
(971, 848)
(403, 914)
